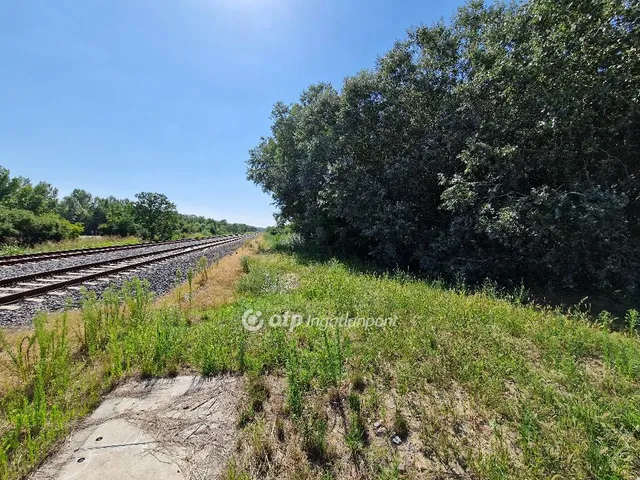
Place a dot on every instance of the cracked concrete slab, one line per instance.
(180, 428)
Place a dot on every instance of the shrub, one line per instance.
(244, 261)
(476, 149)
(25, 227)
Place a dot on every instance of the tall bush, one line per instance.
(503, 144)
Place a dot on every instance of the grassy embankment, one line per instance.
(469, 383)
(85, 242)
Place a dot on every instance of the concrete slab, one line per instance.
(177, 428)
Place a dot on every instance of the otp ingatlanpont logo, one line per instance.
(251, 320)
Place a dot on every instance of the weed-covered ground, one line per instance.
(422, 382)
(74, 244)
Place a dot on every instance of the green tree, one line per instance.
(8, 187)
(503, 144)
(78, 207)
(32, 214)
(156, 214)
(119, 217)
(39, 199)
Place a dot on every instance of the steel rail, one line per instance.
(59, 271)
(6, 260)
(30, 292)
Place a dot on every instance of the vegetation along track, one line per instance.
(16, 288)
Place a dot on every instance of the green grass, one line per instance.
(83, 242)
(501, 390)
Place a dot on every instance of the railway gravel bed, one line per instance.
(161, 277)
(46, 265)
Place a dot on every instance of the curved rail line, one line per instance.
(82, 273)
(6, 260)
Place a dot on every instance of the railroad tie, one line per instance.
(34, 299)
(60, 281)
(10, 308)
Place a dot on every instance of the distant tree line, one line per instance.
(504, 144)
(31, 214)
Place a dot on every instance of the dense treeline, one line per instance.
(504, 144)
(31, 214)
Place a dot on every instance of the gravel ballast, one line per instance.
(64, 262)
(161, 277)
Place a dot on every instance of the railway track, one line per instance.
(21, 287)
(7, 260)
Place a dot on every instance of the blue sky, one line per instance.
(123, 96)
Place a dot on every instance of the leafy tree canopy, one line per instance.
(31, 214)
(504, 144)
(156, 214)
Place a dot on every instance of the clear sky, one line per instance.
(123, 96)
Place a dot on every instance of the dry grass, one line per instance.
(445, 430)
(475, 387)
(220, 286)
(9, 378)
(58, 371)
(219, 289)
